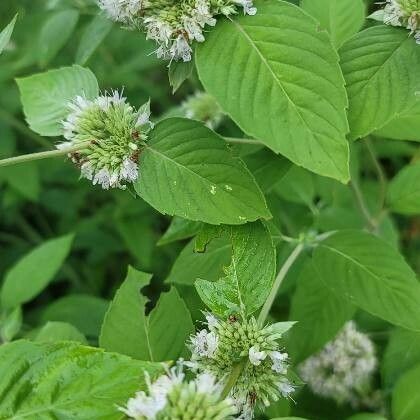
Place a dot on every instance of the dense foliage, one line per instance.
(209, 209)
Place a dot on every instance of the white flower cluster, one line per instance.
(111, 131)
(203, 107)
(218, 348)
(343, 369)
(174, 26)
(171, 397)
(405, 13)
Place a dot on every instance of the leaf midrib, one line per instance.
(363, 267)
(185, 168)
(295, 108)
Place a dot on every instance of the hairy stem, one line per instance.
(43, 155)
(381, 174)
(371, 223)
(277, 283)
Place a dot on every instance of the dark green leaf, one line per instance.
(157, 337)
(319, 313)
(187, 171)
(277, 76)
(32, 273)
(55, 33)
(370, 274)
(378, 67)
(6, 33)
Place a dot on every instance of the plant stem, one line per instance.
(43, 155)
(243, 141)
(277, 283)
(381, 174)
(371, 224)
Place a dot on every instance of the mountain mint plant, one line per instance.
(173, 397)
(225, 254)
(225, 343)
(173, 25)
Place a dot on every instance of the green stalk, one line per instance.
(43, 155)
(277, 283)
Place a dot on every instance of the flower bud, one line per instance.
(405, 13)
(263, 376)
(343, 369)
(203, 107)
(111, 134)
(171, 397)
(173, 25)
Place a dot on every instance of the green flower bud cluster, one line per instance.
(203, 107)
(112, 133)
(229, 342)
(172, 397)
(173, 24)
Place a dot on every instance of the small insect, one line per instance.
(135, 156)
(182, 32)
(232, 318)
(252, 397)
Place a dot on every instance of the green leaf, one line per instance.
(45, 96)
(403, 127)
(55, 33)
(297, 186)
(401, 354)
(191, 265)
(267, 168)
(367, 416)
(85, 312)
(188, 171)
(6, 33)
(406, 397)
(179, 71)
(403, 195)
(341, 18)
(319, 313)
(32, 273)
(378, 67)
(179, 229)
(24, 179)
(60, 331)
(248, 278)
(157, 337)
(93, 35)
(10, 323)
(277, 76)
(370, 274)
(66, 380)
